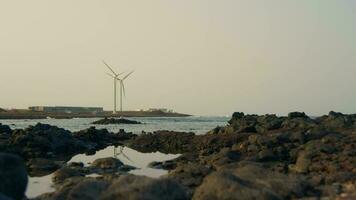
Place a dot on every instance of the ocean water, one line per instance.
(198, 125)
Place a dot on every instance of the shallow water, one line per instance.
(41, 185)
(198, 125)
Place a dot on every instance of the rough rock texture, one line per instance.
(250, 181)
(42, 145)
(319, 152)
(44, 141)
(128, 187)
(13, 177)
(163, 141)
(143, 188)
(4, 129)
(107, 163)
(106, 121)
(101, 138)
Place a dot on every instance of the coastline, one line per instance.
(26, 114)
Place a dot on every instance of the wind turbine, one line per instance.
(115, 76)
(122, 88)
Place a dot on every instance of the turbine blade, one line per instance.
(109, 68)
(110, 75)
(123, 88)
(127, 75)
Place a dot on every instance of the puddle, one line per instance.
(41, 185)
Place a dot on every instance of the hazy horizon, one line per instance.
(200, 57)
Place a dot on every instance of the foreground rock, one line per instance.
(249, 181)
(317, 154)
(124, 187)
(42, 145)
(106, 121)
(13, 177)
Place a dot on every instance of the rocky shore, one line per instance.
(253, 157)
(106, 121)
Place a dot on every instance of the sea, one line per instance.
(196, 124)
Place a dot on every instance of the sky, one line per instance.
(202, 57)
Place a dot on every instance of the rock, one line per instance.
(64, 173)
(224, 157)
(336, 120)
(88, 189)
(250, 181)
(76, 164)
(297, 115)
(101, 138)
(166, 165)
(115, 121)
(107, 163)
(190, 175)
(41, 166)
(139, 187)
(266, 155)
(44, 141)
(163, 141)
(4, 129)
(13, 177)
(268, 122)
(303, 162)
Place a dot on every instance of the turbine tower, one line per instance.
(115, 76)
(122, 88)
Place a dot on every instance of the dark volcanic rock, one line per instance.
(13, 176)
(124, 187)
(163, 141)
(249, 182)
(107, 163)
(100, 138)
(4, 129)
(116, 121)
(88, 189)
(297, 115)
(139, 187)
(42, 166)
(337, 120)
(64, 173)
(44, 141)
(166, 165)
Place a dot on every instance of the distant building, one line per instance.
(66, 109)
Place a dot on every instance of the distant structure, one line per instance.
(116, 78)
(122, 88)
(66, 109)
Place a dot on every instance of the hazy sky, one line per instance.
(205, 57)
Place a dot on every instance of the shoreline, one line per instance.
(26, 114)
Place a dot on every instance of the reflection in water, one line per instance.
(41, 185)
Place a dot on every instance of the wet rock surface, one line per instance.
(106, 121)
